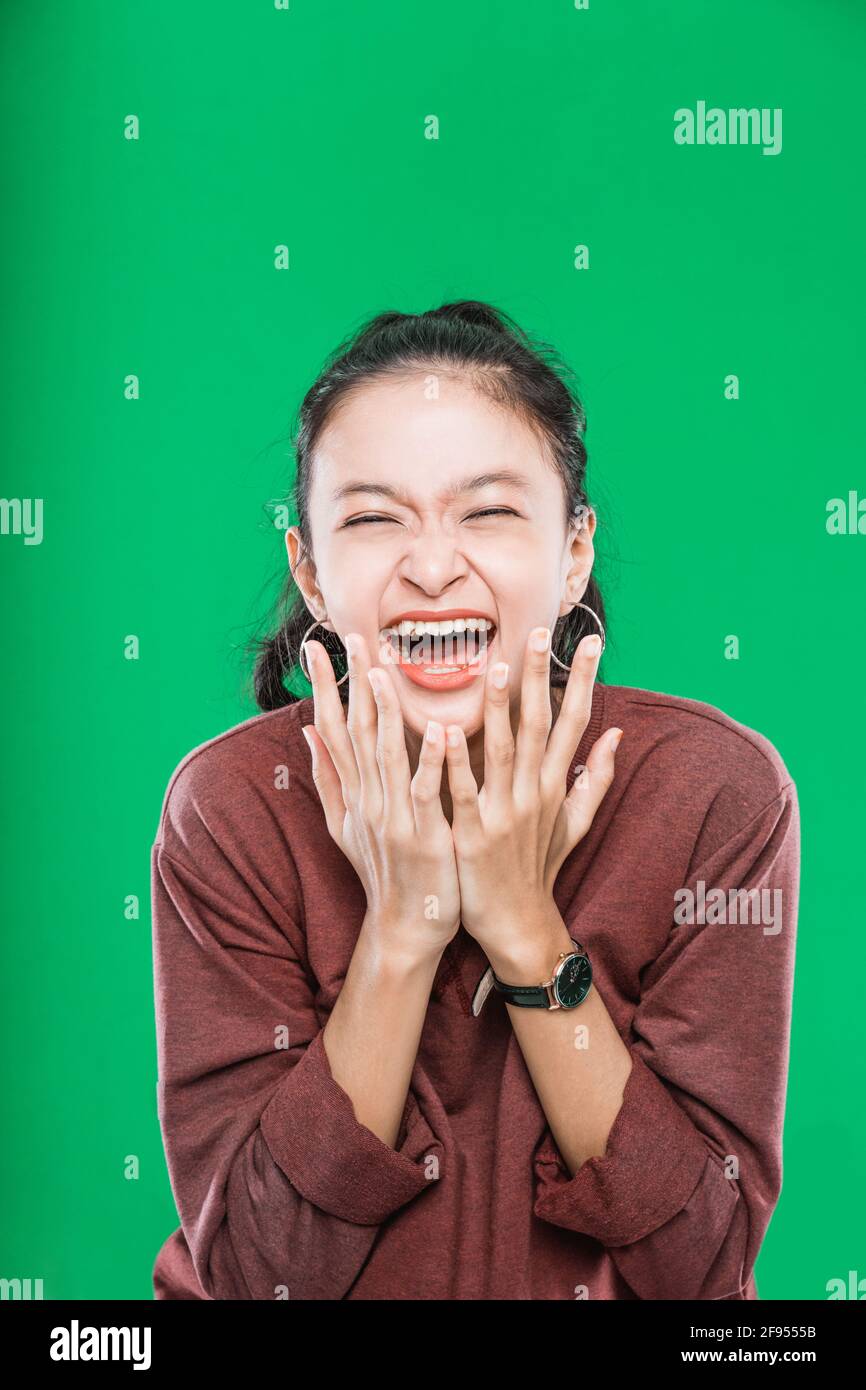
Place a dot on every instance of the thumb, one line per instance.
(593, 780)
(601, 764)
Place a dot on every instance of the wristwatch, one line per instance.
(567, 987)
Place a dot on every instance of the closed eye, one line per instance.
(493, 511)
(488, 511)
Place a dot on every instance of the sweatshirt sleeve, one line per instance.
(692, 1171)
(279, 1188)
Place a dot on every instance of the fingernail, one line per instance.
(453, 737)
(591, 645)
(432, 731)
(540, 639)
(614, 742)
(309, 652)
(499, 675)
(376, 679)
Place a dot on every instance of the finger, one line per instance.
(362, 722)
(574, 713)
(391, 756)
(589, 788)
(426, 785)
(498, 738)
(535, 716)
(330, 718)
(327, 782)
(461, 783)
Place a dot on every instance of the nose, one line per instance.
(432, 562)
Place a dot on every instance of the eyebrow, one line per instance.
(470, 484)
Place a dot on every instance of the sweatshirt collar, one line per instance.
(590, 735)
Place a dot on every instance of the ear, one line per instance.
(304, 574)
(579, 560)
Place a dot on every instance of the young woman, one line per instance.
(456, 998)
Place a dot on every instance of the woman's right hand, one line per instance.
(389, 824)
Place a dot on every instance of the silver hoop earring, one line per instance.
(587, 609)
(301, 654)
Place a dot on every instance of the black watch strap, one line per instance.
(525, 996)
(533, 996)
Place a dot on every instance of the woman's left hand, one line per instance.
(513, 836)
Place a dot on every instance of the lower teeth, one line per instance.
(429, 652)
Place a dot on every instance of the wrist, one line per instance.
(383, 942)
(531, 956)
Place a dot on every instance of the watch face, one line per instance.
(573, 981)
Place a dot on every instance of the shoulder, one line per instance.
(698, 750)
(236, 775)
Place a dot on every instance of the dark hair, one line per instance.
(497, 358)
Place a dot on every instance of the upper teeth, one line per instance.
(410, 628)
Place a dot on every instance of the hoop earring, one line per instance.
(589, 610)
(301, 654)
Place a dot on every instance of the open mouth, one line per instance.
(438, 651)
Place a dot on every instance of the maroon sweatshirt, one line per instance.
(684, 893)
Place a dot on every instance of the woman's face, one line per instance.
(408, 519)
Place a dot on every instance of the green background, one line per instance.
(156, 257)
